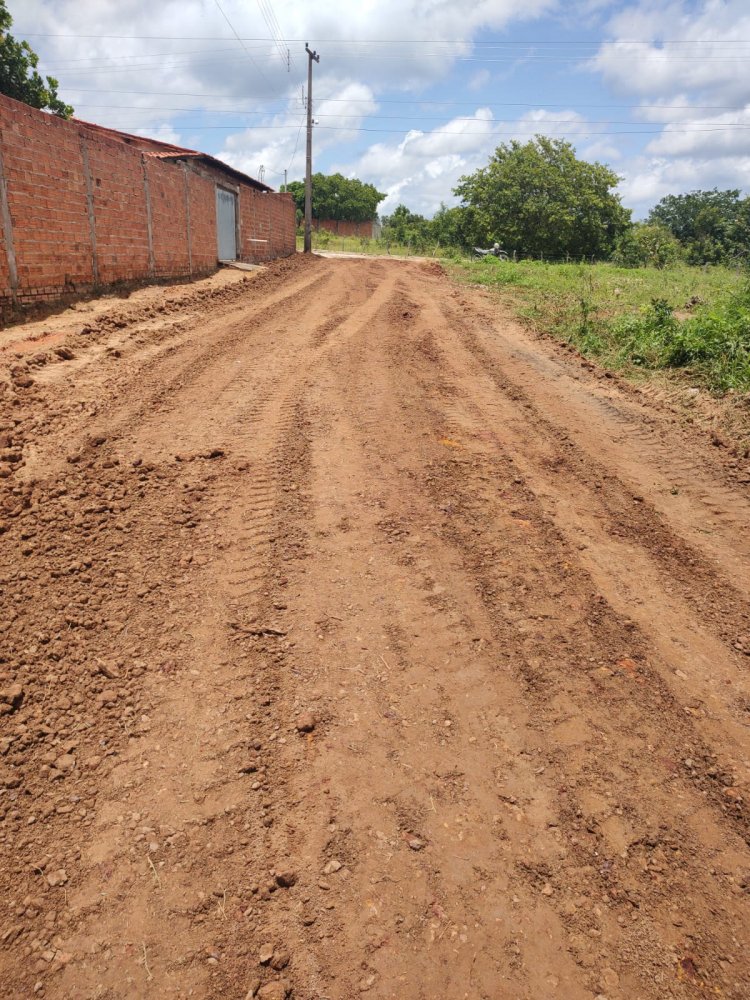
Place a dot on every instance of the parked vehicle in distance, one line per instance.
(494, 251)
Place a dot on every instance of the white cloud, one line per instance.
(205, 78)
(480, 79)
(568, 122)
(668, 51)
(602, 150)
(422, 168)
(648, 179)
(717, 136)
(381, 44)
(279, 144)
(688, 74)
(163, 132)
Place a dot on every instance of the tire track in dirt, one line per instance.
(77, 397)
(708, 514)
(242, 507)
(680, 473)
(717, 673)
(349, 841)
(607, 634)
(522, 452)
(505, 790)
(268, 419)
(613, 538)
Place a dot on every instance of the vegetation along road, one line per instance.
(357, 640)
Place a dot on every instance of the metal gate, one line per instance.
(226, 224)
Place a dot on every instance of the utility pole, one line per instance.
(308, 172)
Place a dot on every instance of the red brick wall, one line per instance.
(168, 218)
(283, 224)
(44, 180)
(44, 162)
(341, 227)
(202, 221)
(119, 209)
(267, 225)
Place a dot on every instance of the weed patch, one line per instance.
(691, 321)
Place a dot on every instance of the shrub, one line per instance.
(646, 246)
(323, 238)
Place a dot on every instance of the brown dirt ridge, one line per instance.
(356, 642)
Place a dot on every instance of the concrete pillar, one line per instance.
(187, 218)
(90, 209)
(10, 250)
(149, 226)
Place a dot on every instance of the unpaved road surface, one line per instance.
(355, 642)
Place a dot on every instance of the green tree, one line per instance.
(407, 228)
(647, 245)
(741, 231)
(450, 226)
(539, 198)
(339, 198)
(18, 74)
(713, 226)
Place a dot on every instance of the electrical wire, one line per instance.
(534, 127)
(419, 101)
(165, 63)
(403, 41)
(269, 16)
(296, 145)
(242, 43)
(372, 117)
(375, 57)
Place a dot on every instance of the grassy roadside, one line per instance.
(323, 240)
(690, 323)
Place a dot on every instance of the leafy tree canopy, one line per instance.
(713, 226)
(406, 227)
(539, 198)
(339, 198)
(18, 74)
(451, 227)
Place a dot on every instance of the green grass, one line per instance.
(688, 320)
(356, 244)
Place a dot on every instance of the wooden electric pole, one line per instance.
(308, 172)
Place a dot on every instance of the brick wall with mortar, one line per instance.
(169, 218)
(342, 227)
(268, 225)
(80, 210)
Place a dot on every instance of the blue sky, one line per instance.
(411, 94)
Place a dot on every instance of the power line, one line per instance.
(404, 41)
(166, 61)
(269, 16)
(533, 127)
(442, 103)
(242, 43)
(373, 117)
(296, 143)
(515, 57)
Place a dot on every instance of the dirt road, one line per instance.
(356, 642)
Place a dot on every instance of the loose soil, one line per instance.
(354, 641)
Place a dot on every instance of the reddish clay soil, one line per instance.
(356, 642)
